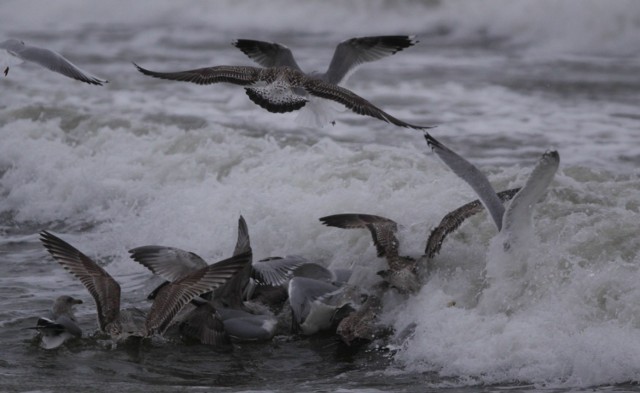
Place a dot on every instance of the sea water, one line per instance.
(146, 161)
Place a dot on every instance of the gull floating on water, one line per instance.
(105, 290)
(279, 89)
(520, 210)
(59, 325)
(47, 59)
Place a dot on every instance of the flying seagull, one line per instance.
(347, 57)
(47, 59)
(280, 89)
(106, 291)
(520, 210)
(59, 325)
(349, 54)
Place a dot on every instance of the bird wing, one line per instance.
(276, 271)
(170, 299)
(243, 244)
(519, 212)
(351, 53)
(454, 219)
(472, 175)
(104, 289)
(382, 230)
(167, 262)
(267, 54)
(352, 101)
(57, 63)
(238, 75)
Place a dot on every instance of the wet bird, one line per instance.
(47, 59)
(59, 325)
(280, 89)
(348, 55)
(403, 272)
(123, 323)
(228, 303)
(519, 211)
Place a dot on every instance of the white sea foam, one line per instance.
(143, 161)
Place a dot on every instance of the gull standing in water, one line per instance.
(47, 59)
(121, 324)
(280, 89)
(348, 55)
(59, 325)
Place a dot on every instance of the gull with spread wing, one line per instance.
(47, 59)
(105, 290)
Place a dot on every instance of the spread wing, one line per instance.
(276, 271)
(352, 101)
(56, 63)
(472, 176)
(351, 53)
(383, 230)
(243, 244)
(104, 289)
(171, 298)
(167, 262)
(267, 54)
(454, 219)
(519, 213)
(238, 75)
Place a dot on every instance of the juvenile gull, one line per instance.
(47, 59)
(403, 270)
(519, 211)
(347, 57)
(59, 325)
(279, 89)
(240, 321)
(105, 290)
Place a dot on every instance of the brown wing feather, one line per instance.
(352, 101)
(170, 299)
(454, 219)
(104, 289)
(238, 75)
(382, 230)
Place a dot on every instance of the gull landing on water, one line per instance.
(121, 324)
(403, 270)
(278, 89)
(347, 57)
(47, 59)
(519, 212)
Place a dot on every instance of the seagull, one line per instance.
(227, 304)
(520, 210)
(403, 270)
(47, 59)
(347, 57)
(59, 325)
(121, 324)
(349, 54)
(280, 89)
(317, 305)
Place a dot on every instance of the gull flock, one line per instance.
(239, 299)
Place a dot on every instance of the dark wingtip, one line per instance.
(431, 141)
